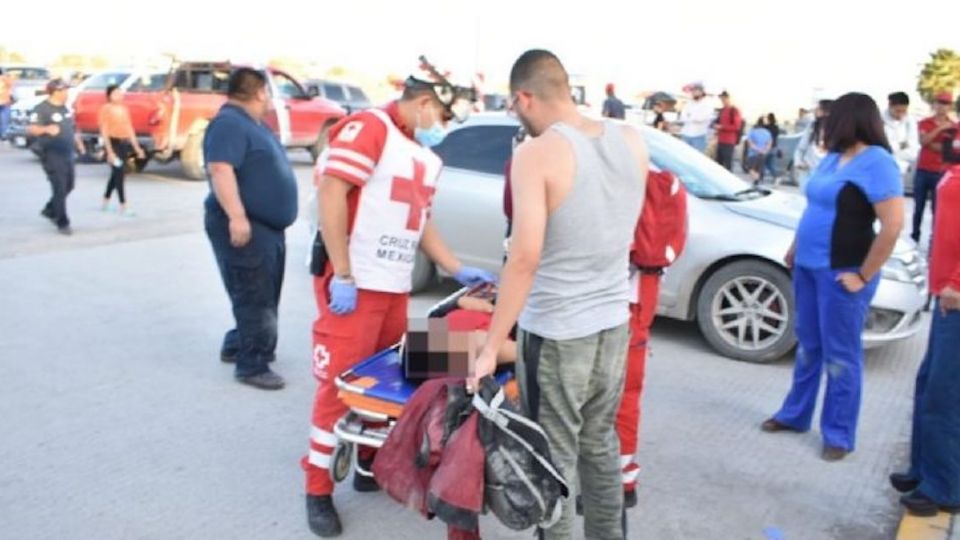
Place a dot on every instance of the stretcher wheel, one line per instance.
(342, 461)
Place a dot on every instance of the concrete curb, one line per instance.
(933, 528)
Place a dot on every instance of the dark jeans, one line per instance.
(117, 174)
(924, 185)
(935, 445)
(253, 278)
(60, 172)
(725, 155)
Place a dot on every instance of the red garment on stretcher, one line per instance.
(464, 320)
(416, 468)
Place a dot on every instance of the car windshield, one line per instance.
(102, 80)
(28, 72)
(703, 177)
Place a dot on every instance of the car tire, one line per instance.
(191, 157)
(745, 310)
(318, 147)
(424, 273)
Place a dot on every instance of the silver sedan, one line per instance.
(730, 279)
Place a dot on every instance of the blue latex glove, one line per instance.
(469, 276)
(343, 296)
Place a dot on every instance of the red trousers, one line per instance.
(339, 343)
(628, 416)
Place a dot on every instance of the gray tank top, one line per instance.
(582, 285)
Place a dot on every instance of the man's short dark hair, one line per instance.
(413, 91)
(245, 83)
(898, 98)
(541, 73)
(111, 89)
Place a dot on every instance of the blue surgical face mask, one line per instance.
(431, 136)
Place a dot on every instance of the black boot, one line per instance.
(322, 516)
(904, 483)
(363, 480)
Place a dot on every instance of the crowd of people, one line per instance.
(580, 319)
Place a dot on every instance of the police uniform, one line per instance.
(57, 157)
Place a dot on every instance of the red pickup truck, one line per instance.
(170, 120)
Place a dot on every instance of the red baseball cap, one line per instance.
(944, 97)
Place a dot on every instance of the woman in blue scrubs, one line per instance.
(836, 259)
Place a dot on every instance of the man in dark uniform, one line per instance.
(253, 200)
(53, 124)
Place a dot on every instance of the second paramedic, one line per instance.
(376, 183)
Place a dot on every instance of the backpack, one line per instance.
(522, 486)
(661, 232)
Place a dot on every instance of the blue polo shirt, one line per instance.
(759, 136)
(837, 227)
(267, 184)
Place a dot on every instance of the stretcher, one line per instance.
(375, 391)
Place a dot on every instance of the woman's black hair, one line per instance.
(854, 118)
(111, 88)
(760, 122)
(771, 119)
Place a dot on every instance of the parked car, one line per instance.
(20, 119)
(29, 80)
(351, 97)
(91, 95)
(730, 279)
(170, 112)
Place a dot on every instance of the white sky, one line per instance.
(770, 54)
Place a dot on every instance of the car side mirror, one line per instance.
(313, 92)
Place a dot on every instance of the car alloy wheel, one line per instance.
(750, 313)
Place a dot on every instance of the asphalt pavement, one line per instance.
(118, 421)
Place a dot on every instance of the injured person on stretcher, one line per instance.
(442, 345)
(447, 343)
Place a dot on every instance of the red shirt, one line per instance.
(931, 155)
(945, 257)
(728, 125)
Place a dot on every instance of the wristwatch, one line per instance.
(348, 278)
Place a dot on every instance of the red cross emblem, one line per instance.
(412, 192)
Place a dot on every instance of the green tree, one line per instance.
(940, 73)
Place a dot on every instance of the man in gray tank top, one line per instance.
(578, 189)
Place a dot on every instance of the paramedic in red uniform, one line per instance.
(376, 181)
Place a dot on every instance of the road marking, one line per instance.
(918, 528)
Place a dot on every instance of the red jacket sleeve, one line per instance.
(354, 149)
(948, 218)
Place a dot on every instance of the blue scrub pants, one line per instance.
(829, 327)
(935, 446)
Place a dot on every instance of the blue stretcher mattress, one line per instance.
(386, 369)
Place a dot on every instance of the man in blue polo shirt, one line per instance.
(253, 199)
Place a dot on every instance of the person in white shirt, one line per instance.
(696, 117)
(811, 148)
(901, 131)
